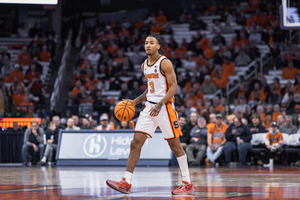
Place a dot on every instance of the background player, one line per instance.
(159, 111)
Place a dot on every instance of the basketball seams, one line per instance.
(121, 108)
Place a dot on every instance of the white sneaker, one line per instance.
(271, 164)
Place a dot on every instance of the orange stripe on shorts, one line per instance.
(172, 115)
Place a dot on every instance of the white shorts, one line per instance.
(166, 120)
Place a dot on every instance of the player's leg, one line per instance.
(135, 150)
(124, 186)
(187, 186)
(168, 123)
(145, 127)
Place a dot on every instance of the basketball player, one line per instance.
(159, 111)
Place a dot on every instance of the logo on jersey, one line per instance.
(152, 75)
(94, 145)
(176, 124)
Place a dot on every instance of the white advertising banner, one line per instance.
(110, 145)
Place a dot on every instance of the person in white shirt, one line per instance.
(70, 125)
(104, 125)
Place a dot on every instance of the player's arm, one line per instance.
(140, 98)
(167, 68)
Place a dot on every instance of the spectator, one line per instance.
(24, 57)
(195, 151)
(125, 125)
(94, 57)
(238, 137)
(104, 125)
(241, 106)
(56, 121)
(70, 125)
(255, 36)
(31, 74)
(276, 112)
(273, 96)
(45, 55)
(228, 67)
(6, 69)
(288, 128)
(227, 28)
(280, 62)
(274, 142)
(280, 120)
(216, 27)
(18, 97)
(76, 121)
(70, 108)
(290, 71)
(242, 59)
(17, 72)
(208, 87)
(256, 125)
(36, 87)
(86, 122)
(33, 144)
(124, 93)
(38, 66)
(137, 58)
(52, 139)
(215, 140)
(136, 91)
(185, 137)
(85, 106)
(218, 39)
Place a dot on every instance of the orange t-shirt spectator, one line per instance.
(161, 18)
(24, 57)
(45, 55)
(18, 97)
(32, 73)
(16, 73)
(290, 71)
(180, 52)
(204, 42)
(228, 67)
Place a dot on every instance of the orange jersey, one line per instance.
(218, 134)
(275, 139)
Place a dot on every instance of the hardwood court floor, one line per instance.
(148, 183)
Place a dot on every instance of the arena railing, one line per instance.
(61, 72)
(234, 83)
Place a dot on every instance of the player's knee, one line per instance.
(135, 145)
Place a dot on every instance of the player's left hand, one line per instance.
(154, 111)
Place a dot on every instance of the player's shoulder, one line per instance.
(166, 62)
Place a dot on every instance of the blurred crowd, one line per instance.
(109, 62)
(22, 88)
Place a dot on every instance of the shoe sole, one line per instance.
(188, 192)
(115, 188)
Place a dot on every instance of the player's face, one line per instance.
(151, 45)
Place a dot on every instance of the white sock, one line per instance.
(128, 176)
(183, 165)
(44, 159)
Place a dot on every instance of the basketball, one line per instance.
(124, 111)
